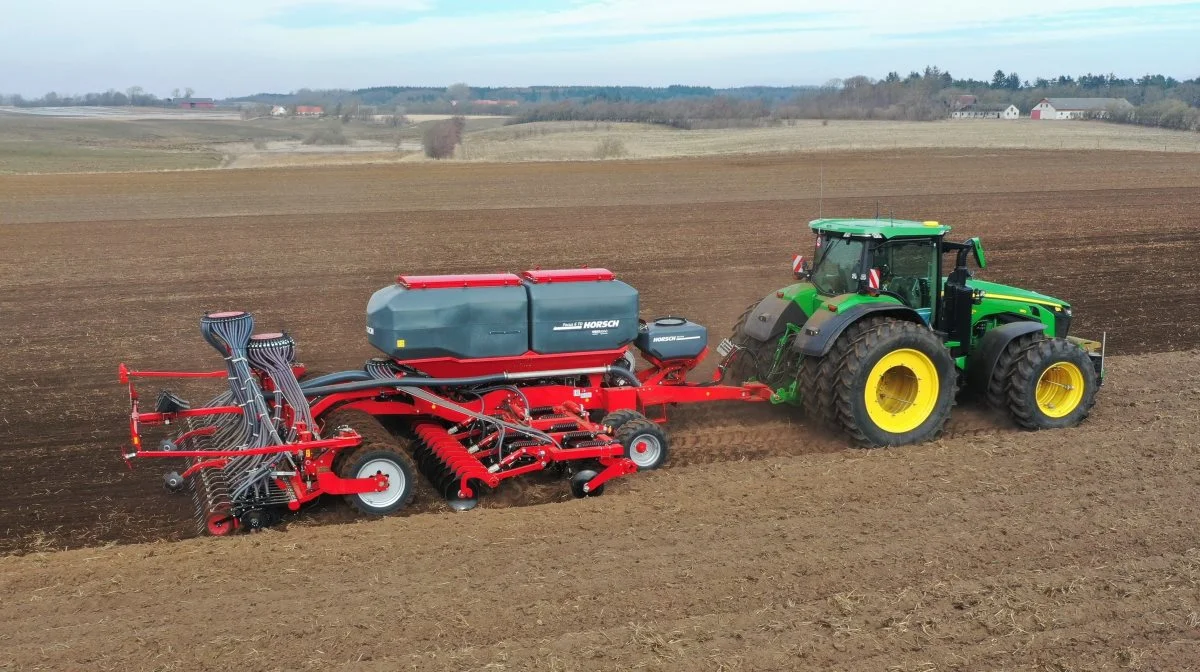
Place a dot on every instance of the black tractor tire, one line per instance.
(378, 446)
(745, 366)
(997, 389)
(856, 354)
(645, 443)
(817, 375)
(616, 419)
(1043, 388)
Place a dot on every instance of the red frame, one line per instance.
(663, 383)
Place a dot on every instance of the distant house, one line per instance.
(278, 111)
(309, 110)
(195, 103)
(1076, 108)
(974, 111)
(965, 100)
(495, 103)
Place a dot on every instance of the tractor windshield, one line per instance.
(838, 259)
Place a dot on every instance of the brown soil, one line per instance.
(764, 545)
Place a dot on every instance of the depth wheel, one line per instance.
(645, 443)
(367, 463)
(894, 383)
(580, 480)
(1053, 385)
(380, 453)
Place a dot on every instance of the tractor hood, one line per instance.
(998, 292)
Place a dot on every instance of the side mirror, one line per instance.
(977, 250)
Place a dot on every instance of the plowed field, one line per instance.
(764, 545)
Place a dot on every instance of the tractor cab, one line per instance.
(901, 260)
(897, 259)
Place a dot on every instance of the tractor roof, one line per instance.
(879, 228)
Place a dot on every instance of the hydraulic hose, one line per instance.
(417, 381)
(335, 378)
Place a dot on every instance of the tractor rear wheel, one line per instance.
(893, 383)
(1053, 385)
(746, 366)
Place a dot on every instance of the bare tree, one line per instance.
(188, 91)
(459, 92)
(441, 138)
(175, 93)
(134, 92)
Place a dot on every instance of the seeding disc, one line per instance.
(460, 504)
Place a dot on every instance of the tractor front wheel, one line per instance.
(1053, 385)
(894, 383)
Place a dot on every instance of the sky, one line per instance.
(237, 47)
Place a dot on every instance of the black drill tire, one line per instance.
(616, 419)
(376, 441)
(857, 352)
(640, 427)
(997, 389)
(1027, 370)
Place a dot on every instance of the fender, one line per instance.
(982, 360)
(771, 316)
(824, 327)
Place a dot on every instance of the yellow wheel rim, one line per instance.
(902, 391)
(1059, 389)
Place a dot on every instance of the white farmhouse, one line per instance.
(1075, 108)
(974, 111)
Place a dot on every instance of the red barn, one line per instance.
(195, 103)
(309, 110)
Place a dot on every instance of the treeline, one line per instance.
(464, 99)
(1158, 100)
(134, 95)
(684, 114)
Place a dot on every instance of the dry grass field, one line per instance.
(764, 545)
(151, 140)
(557, 141)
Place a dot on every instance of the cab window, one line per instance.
(907, 269)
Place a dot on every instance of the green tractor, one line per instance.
(874, 341)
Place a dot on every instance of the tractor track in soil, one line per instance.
(111, 268)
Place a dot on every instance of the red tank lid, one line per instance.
(569, 275)
(452, 281)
